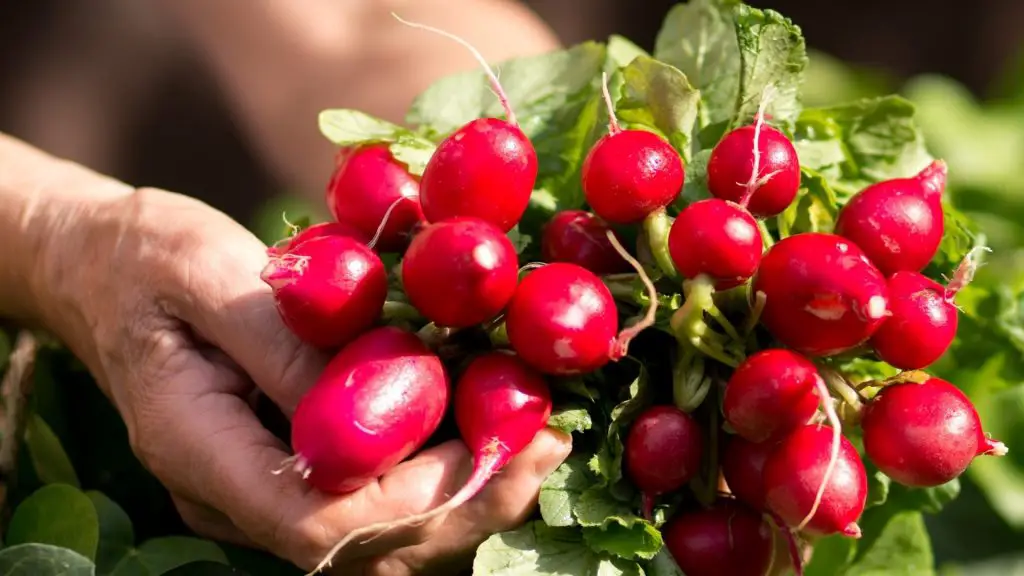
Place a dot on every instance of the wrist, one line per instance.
(45, 205)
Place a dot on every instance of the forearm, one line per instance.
(282, 61)
(40, 197)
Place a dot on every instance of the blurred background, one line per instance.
(113, 85)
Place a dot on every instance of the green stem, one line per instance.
(400, 311)
(621, 290)
(717, 354)
(760, 299)
(766, 235)
(838, 384)
(724, 322)
(656, 227)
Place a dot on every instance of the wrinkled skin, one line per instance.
(160, 296)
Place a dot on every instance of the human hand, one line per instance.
(160, 296)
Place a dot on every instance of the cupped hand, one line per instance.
(160, 295)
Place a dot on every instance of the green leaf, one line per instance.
(349, 127)
(49, 460)
(893, 545)
(117, 537)
(860, 143)
(814, 210)
(160, 555)
(557, 101)
(622, 51)
(658, 96)
(570, 418)
(57, 514)
(663, 565)
(561, 491)
(206, 568)
(731, 52)
(699, 38)
(610, 526)
(607, 462)
(43, 560)
(539, 550)
(831, 555)
(878, 486)
(772, 53)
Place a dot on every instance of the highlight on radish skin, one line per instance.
(898, 223)
(369, 187)
(345, 436)
(500, 406)
(662, 452)
(793, 474)
(925, 433)
(822, 295)
(716, 238)
(486, 169)
(460, 272)
(629, 174)
(579, 237)
(327, 289)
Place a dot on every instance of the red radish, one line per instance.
(794, 473)
(822, 295)
(716, 238)
(923, 319)
(345, 435)
(777, 176)
(315, 231)
(629, 174)
(922, 326)
(898, 223)
(728, 538)
(460, 272)
(366, 182)
(579, 237)
(328, 289)
(486, 169)
(662, 452)
(771, 393)
(924, 434)
(500, 405)
(743, 466)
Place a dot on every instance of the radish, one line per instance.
(630, 174)
(924, 317)
(822, 295)
(743, 466)
(716, 238)
(794, 474)
(328, 289)
(460, 272)
(366, 183)
(771, 393)
(314, 231)
(486, 169)
(579, 237)
(728, 538)
(662, 452)
(500, 405)
(731, 168)
(924, 433)
(898, 223)
(719, 237)
(379, 399)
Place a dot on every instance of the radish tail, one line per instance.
(833, 419)
(621, 345)
(488, 466)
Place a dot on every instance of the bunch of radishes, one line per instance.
(818, 295)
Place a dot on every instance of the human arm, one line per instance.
(282, 61)
(160, 296)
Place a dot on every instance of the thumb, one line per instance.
(226, 303)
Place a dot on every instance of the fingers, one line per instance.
(211, 448)
(506, 502)
(225, 301)
(210, 523)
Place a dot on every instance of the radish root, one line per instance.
(621, 345)
(833, 419)
(754, 182)
(495, 84)
(613, 122)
